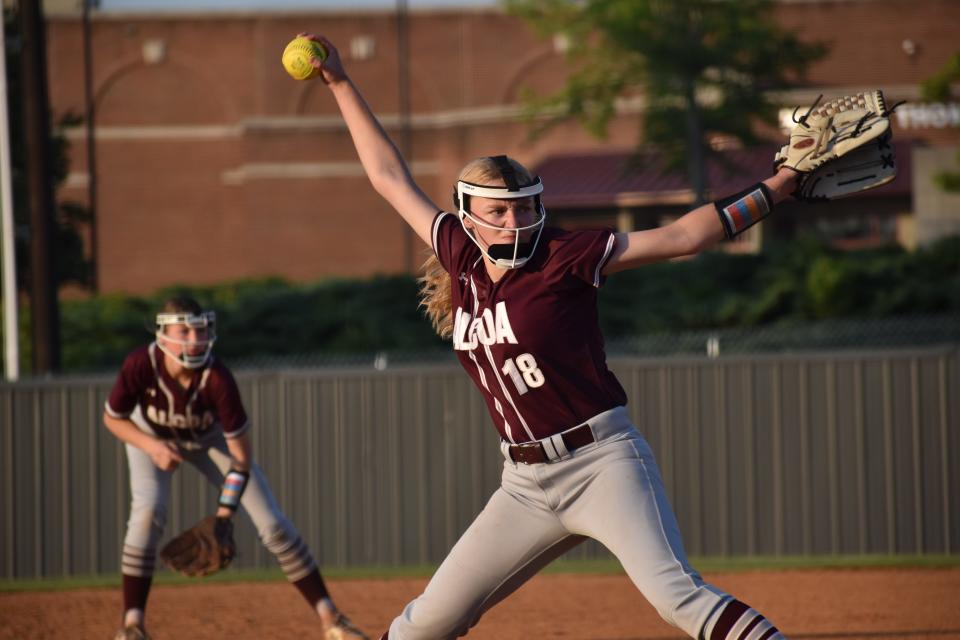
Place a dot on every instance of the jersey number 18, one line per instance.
(524, 372)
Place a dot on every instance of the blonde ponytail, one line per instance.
(435, 296)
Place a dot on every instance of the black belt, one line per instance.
(177, 435)
(534, 453)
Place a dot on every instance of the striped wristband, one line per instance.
(741, 211)
(233, 485)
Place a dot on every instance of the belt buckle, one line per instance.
(526, 450)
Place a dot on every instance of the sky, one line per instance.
(271, 5)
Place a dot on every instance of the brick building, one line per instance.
(213, 165)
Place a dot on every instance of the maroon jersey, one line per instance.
(531, 341)
(212, 401)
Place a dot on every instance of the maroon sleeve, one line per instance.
(130, 384)
(226, 398)
(449, 240)
(583, 254)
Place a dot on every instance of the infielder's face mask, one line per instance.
(204, 334)
(518, 251)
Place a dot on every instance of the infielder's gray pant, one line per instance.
(150, 489)
(610, 491)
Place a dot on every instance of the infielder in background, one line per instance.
(174, 401)
(520, 303)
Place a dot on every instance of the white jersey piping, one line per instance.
(483, 377)
(603, 260)
(496, 370)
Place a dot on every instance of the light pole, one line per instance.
(44, 306)
(11, 346)
(91, 145)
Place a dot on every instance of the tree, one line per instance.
(72, 265)
(702, 67)
(936, 88)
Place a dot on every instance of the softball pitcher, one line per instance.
(173, 401)
(519, 301)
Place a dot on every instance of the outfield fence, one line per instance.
(776, 454)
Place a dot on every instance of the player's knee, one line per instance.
(145, 525)
(434, 630)
(422, 621)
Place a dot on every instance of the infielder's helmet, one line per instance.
(204, 319)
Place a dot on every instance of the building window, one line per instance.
(362, 47)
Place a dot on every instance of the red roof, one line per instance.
(602, 179)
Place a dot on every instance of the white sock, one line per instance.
(133, 617)
(325, 608)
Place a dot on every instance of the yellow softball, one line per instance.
(296, 57)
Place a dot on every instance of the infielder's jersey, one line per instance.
(212, 401)
(531, 341)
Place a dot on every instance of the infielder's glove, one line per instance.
(834, 129)
(204, 548)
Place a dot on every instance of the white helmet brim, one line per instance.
(514, 254)
(204, 320)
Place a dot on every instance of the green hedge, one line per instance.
(787, 285)
(791, 284)
(256, 319)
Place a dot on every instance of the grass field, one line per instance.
(595, 567)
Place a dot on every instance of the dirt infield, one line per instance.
(821, 604)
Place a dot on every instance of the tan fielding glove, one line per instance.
(867, 167)
(204, 548)
(834, 129)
